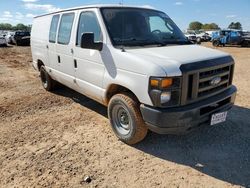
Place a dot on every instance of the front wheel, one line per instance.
(47, 82)
(216, 43)
(198, 40)
(126, 120)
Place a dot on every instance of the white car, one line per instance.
(138, 63)
(203, 37)
(10, 37)
(191, 37)
(3, 41)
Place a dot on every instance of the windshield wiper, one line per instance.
(139, 42)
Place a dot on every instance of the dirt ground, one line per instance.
(56, 139)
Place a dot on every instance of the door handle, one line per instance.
(75, 63)
(59, 59)
(47, 46)
(71, 50)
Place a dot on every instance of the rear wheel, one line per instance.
(126, 119)
(47, 82)
(216, 43)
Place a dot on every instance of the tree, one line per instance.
(5, 26)
(235, 25)
(21, 27)
(195, 25)
(211, 26)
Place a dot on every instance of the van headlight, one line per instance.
(165, 97)
(165, 92)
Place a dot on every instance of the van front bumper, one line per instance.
(182, 119)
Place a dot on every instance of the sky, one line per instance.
(222, 12)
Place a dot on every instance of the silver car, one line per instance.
(3, 41)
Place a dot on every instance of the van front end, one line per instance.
(204, 97)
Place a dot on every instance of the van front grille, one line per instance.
(206, 77)
(204, 82)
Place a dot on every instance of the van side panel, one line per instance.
(39, 39)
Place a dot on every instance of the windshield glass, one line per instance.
(138, 27)
(23, 33)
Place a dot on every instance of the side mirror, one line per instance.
(87, 41)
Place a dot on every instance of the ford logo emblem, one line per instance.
(215, 81)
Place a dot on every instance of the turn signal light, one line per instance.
(165, 83)
(154, 83)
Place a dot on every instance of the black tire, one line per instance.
(126, 119)
(47, 82)
(216, 43)
(198, 40)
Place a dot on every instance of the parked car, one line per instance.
(191, 37)
(22, 38)
(138, 63)
(10, 37)
(203, 37)
(230, 37)
(3, 41)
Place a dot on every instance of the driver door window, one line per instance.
(88, 23)
(158, 24)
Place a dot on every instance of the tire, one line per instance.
(198, 40)
(47, 82)
(126, 119)
(216, 43)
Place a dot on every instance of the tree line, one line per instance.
(22, 27)
(212, 26)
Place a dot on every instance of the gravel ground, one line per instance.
(57, 139)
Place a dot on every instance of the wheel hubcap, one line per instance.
(121, 119)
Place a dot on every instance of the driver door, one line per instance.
(89, 67)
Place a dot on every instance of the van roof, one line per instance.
(98, 6)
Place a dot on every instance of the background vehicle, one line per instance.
(204, 37)
(3, 41)
(137, 62)
(230, 37)
(10, 37)
(22, 38)
(191, 36)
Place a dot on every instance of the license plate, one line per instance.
(218, 118)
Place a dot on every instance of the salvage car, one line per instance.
(22, 38)
(3, 41)
(10, 37)
(191, 36)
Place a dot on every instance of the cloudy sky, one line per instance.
(182, 12)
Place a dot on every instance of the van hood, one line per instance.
(170, 58)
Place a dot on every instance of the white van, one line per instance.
(137, 62)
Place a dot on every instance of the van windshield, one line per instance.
(140, 27)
